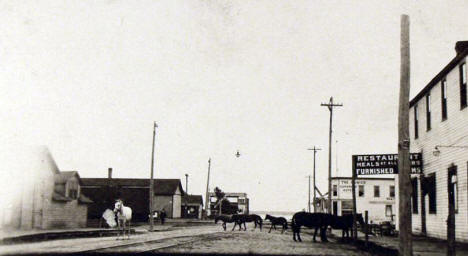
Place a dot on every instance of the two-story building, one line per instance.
(236, 199)
(375, 195)
(42, 196)
(439, 130)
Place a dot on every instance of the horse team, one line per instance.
(318, 221)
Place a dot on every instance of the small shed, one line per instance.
(192, 206)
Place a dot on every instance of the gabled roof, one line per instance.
(63, 177)
(192, 199)
(161, 186)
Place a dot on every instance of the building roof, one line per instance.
(161, 186)
(63, 177)
(461, 48)
(361, 178)
(230, 194)
(192, 199)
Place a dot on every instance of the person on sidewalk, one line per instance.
(163, 216)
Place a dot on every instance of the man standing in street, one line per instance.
(163, 216)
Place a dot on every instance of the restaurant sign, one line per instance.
(384, 164)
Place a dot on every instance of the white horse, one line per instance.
(124, 217)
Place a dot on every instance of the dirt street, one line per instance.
(194, 239)
(256, 242)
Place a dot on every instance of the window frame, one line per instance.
(335, 190)
(391, 190)
(432, 209)
(463, 91)
(428, 112)
(376, 191)
(414, 196)
(443, 99)
(363, 191)
(416, 121)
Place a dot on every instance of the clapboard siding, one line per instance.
(452, 131)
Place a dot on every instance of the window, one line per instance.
(72, 189)
(376, 191)
(416, 128)
(463, 85)
(388, 210)
(453, 189)
(431, 184)
(414, 195)
(392, 191)
(443, 86)
(335, 190)
(428, 112)
(361, 190)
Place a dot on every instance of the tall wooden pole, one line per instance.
(353, 186)
(207, 196)
(308, 205)
(404, 183)
(313, 199)
(330, 106)
(151, 188)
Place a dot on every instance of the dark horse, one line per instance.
(345, 223)
(311, 220)
(277, 221)
(243, 218)
(227, 219)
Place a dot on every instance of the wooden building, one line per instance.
(44, 197)
(375, 195)
(135, 194)
(439, 130)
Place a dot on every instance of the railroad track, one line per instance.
(147, 246)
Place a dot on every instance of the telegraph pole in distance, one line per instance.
(330, 106)
(151, 188)
(207, 197)
(404, 183)
(315, 151)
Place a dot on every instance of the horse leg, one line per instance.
(270, 228)
(235, 223)
(323, 234)
(299, 234)
(245, 227)
(118, 229)
(129, 222)
(315, 233)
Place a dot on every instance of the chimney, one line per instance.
(109, 173)
(460, 46)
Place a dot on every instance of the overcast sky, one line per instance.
(88, 78)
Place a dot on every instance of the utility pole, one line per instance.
(207, 197)
(315, 151)
(151, 188)
(186, 183)
(308, 205)
(404, 184)
(330, 106)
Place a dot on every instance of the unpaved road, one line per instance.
(186, 240)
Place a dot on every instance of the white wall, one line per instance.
(453, 131)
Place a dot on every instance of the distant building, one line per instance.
(237, 200)
(192, 206)
(45, 197)
(375, 195)
(135, 194)
(439, 117)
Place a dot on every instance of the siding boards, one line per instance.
(452, 131)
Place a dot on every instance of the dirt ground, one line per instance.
(204, 239)
(256, 242)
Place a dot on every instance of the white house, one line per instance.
(439, 130)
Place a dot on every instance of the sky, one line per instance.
(88, 79)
